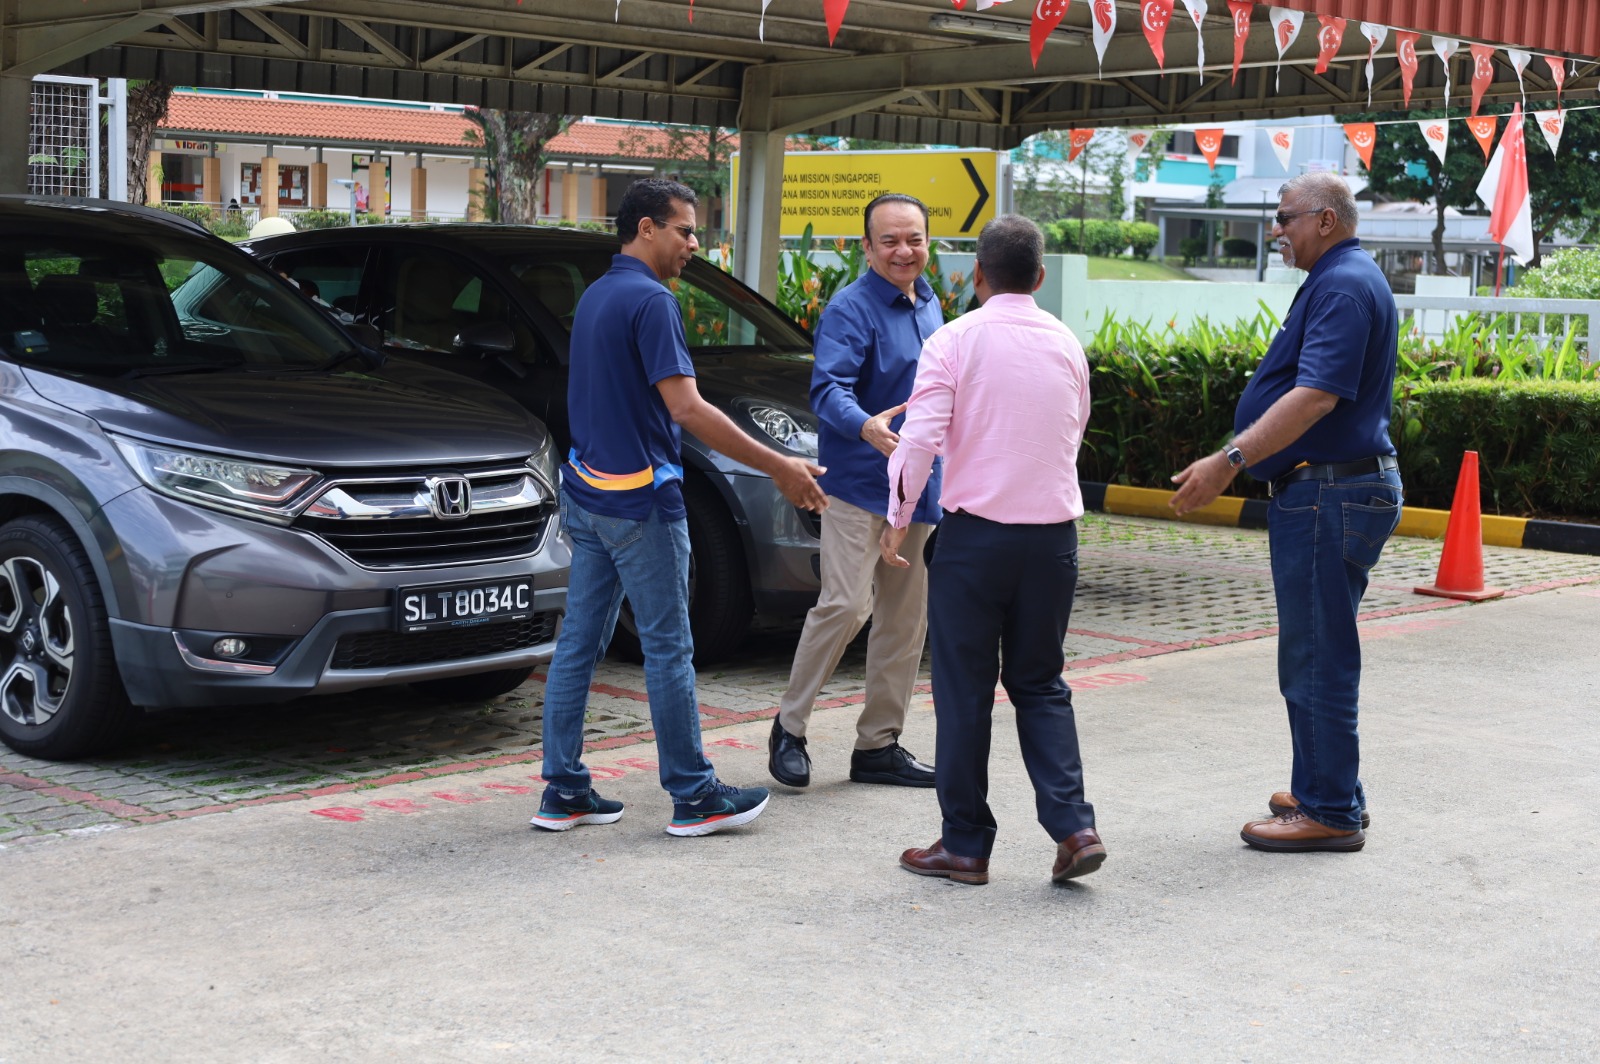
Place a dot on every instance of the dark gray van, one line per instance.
(211, 494)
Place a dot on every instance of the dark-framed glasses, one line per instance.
(686, 230)
(1283, 219)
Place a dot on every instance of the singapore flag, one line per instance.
(1104, 22)
(1282, 138)
(1436, 132)
(1285, 28)
(1197, 11)
(1504, 190)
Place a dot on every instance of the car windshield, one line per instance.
(720, 316)
(128, 306)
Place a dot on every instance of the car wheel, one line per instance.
(60, 694)
(474, 688)
(720, 604)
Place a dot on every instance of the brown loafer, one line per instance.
(937, 861)
(1283, 802)
(1294, 832)
(1077, 855)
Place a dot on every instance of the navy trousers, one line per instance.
(999, 598)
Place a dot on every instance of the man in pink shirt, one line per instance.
(1003, 394)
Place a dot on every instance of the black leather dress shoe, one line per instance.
(893, 764)
(787, 759)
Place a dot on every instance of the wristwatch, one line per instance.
(1235, 456)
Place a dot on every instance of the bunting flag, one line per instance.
(761, 28)
(1282, 138)
(1047, 15)
(1362, 136)
(1197, 11)
(1078, 139)
(1138, 140)
(1436, 132)
(1329, 38)
(1482, 72)
(1375, 35)
(1405, 48)
(1519, 63)
(1504, 190)
(691, 12)
(616, 16)
(1483, 128)
(1558, 74)
(1552, 124)
(1156, 16)
(1446, 49)
(1104, 24)
(833, 11)
(1240, 10)
(1209, 141)
(1285, 28)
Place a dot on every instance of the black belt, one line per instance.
(1330, 470)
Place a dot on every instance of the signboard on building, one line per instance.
(828, 190)
(193, 147)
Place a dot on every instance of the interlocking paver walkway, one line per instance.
(1145, 587)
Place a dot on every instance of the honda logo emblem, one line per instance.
(452, 497)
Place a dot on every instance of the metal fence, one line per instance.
(64, 137)
(1546, 320)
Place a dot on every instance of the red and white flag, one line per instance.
(1329, 38)
(1103, 21)
(1282, 138)
(1138, 140)
(1504, 190)
(833, 11)
(1156, 16)
(1436, 134)
(1551, 124)
(1375, 35)
(1240, 12)
(1482, 72)
(1558, 74)
(1197, 12)
(1363, 135)
(1285, 28)
(1405, 49)
(1209, 141)
(1078, 139)
(1519, 63)
(1047, 15)
(1483, 127)
(1445, 48)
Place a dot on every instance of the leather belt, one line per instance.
(1330, 470)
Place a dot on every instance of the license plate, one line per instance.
(427, 609)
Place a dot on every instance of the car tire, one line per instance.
(61, 696)
(720, 603)
(476, 687)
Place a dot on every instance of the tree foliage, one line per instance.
(698, 156)
(515, 144)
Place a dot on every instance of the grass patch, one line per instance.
(1129, 269)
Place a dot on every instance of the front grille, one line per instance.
(379, 650)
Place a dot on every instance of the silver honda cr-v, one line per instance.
(210, 494)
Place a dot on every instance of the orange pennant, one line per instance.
(1483, 128)
(833, 11)
(1363, 135)
(1079, 140)
(1209, 141)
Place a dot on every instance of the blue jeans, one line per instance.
(649, 561)
(1325, 536)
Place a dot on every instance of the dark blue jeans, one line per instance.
(1325, 536)
(999, 598)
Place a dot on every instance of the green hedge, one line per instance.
(1538, 441)
(1101, 237)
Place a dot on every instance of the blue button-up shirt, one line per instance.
(867, 346)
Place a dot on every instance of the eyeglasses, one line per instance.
(686, 230)
(1283, 220)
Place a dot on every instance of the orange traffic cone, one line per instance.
(1461, 565)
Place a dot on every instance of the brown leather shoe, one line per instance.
(937, 861)
(1077, 855)
(1294, 832)
(1283, 802)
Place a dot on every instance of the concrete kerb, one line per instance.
(1525, 532)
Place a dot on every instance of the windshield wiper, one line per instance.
(189, 367)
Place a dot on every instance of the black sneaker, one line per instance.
(561, 814)
(787, 759)
(724, 807)
(893, 765)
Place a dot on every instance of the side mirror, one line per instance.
(365, 334)
(486, 338)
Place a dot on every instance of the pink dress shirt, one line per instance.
(1003, 394)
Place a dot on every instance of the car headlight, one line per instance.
(240, 485)
(789, 429)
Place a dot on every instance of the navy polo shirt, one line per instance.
(627, 336)
(1341, 335)
(867, 346)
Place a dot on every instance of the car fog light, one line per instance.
(230, 647)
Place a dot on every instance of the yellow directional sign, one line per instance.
(829, 189)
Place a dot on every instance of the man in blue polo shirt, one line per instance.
(1314, 423)
(867, 346)
(632, 386)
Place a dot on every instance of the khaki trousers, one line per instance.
(857, 584)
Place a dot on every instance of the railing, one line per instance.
(1548, 320)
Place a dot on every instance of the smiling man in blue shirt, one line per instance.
(1314, 424)
(867, 346)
